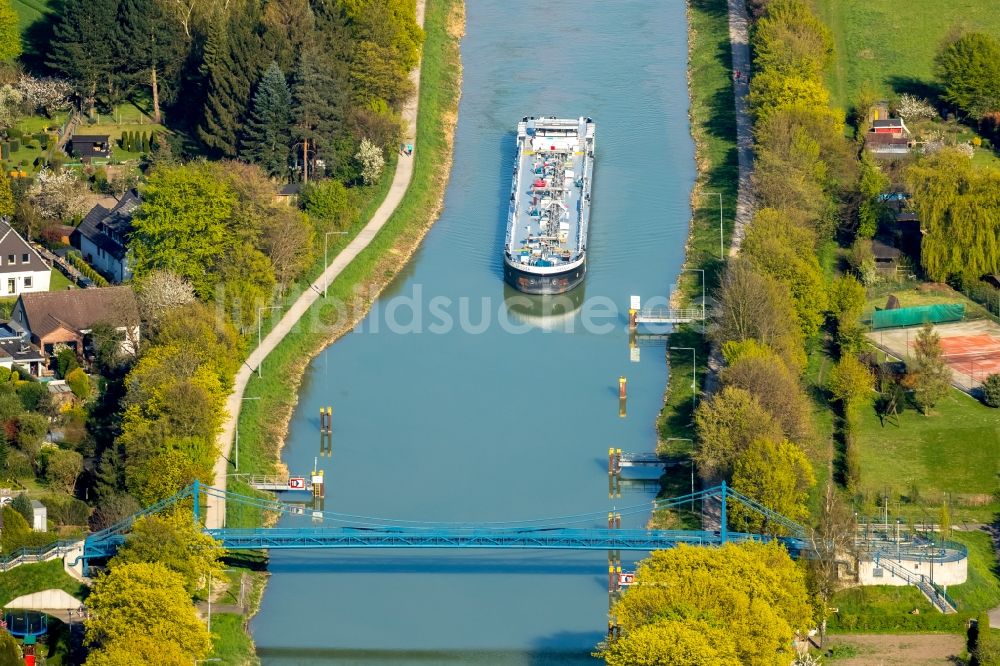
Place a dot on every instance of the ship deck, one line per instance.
(548, 197)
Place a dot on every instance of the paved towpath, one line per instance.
(215, 508)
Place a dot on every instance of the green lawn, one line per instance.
(29, 578)
(891, 45)
(59, 282)
(955, 450)
(888, 609)
(982, 590)
(29, 11)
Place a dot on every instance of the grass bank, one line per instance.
(29, 578)
(263, 423)
(713, 126)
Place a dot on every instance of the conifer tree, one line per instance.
(317, 108)
(82, 46)
(268, 137)
(150, 49)
(928, 373)
(233, 61)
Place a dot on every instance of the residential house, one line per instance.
(887, 136)
(22, 269)
(68, 317)
(886, 257)
(288, 194)
(102, 237)
(89, 146)
(15, 349)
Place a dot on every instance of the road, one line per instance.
(215, 508)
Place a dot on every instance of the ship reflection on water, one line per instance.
(549, 312)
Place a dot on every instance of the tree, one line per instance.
(268, 133)
(778, 390)
(159, 292)
(45, 95)
(232, 63)
(318, 102)
(175, 541)
(726, 425)
(772, 90)
(145, 600)
(22, 504)
(790, 39)
(112, 509)
(6, 195)
(82, 46)
(668, 642)
(182, 224)
(63, 467)
(775, 247)
(751, 305)
(778, 475)
(833, 538)
(959, 209)
(150, 49)
(66, 362)
(79, 383)
(851, 383)
(31, 430)
(928, 374)
(872, 210)
(288, 25)
(57, 196)
(991, 391)
(327, 202)
(846, 299)
(139, 650)
(10, 653)
(969, 68)
(754, 594)
(371, 160)
(288, 243)
(10, 32)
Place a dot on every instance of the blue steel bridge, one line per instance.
(339, 531)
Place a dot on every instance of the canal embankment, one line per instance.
(263, 421)
(713, 121)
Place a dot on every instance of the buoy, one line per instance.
(611, 461)
(622, 388)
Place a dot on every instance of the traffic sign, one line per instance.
(297, 483)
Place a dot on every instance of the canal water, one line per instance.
(508, 413)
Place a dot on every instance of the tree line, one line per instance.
(281, 83)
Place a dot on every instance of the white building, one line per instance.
(103, 236)
(22, 269)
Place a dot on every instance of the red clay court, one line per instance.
(976, 356)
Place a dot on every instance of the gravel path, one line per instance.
(215, 508)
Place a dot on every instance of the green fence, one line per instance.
(916, 316)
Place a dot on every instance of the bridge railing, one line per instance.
(27, 555)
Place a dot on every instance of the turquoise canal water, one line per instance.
(510, 416)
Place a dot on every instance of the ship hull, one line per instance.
(544, 283)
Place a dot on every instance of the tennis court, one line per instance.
(972, 348)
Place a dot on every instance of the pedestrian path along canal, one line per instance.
(504, 415)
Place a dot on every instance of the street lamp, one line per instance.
(722, 248)
(694, 372)
(702, 271)
(326, 264)
(236, 455)
(259, 311)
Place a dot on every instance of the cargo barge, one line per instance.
(545, 251)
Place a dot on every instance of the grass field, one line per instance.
(982, 590)
(29, 578)
(59, 282)
(891, 45)
(29, 11)
(954, 450)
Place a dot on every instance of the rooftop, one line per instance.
(79, 309)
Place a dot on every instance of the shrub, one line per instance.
(991, 391)
(22, 504)
(79, 383)
(15, 145)
(66, 510)
(66, 362)
(14, 133)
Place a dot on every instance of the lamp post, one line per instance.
(326, 264)
(259, 311)
(694, 372)
(722, 247)
(236, 456)
(702, 271)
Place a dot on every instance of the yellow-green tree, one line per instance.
(928, 373)
(6, 195)
(145, 600)
(176, 541)
(778, 475)
(851, 383)
(10, 34)
(746, 601)
(726, 425)
(138, 651)
(10, 653)
(668, 642)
